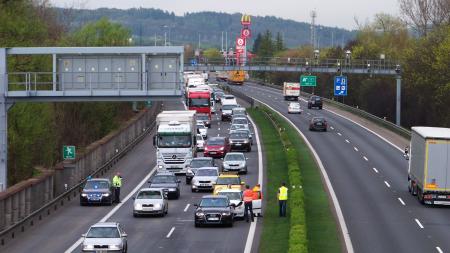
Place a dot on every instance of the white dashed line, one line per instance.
(170, 232)
(387, 184)
(186, 208)
(401, 201)
(365, 158)
(218, 135)
(418, 223)
(375, 169)
(332, 128)
(347, 141)
(439, 250)
(310, 114)
(339, 134)
(355, 148)
(218, 128)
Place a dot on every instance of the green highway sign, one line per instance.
(68, 152)
(308, 81)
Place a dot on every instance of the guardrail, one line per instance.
(377, 120)
(135, 131)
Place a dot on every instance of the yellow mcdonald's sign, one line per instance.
(246, 19)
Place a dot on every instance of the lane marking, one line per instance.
(337, 207)
(185, 106)
(439, 250)
(418, 223)
(115, 209)
(347, 141)
(252, 230)
(401, 201)
(375, 169)
(339, 134)
(308, 113)
(218, 128)
(355, 148)
(365, 158)
(387, 184)
(332, 128)
(186, 208)
(170, 232)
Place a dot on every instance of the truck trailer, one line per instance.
(291, 91)
(429, 165)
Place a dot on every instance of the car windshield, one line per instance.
(215, 142)
(207, 173)
(174, 141)
(214, 202)
(232, 195)
(94, 184)
(200, 126)
(103, 232)
(239, 135)
(228, 180)
(295, 105)
(318, 119)
(234, 157)
(237, 126)
(228, 107)
(200, 163)
(240, 121)
(149, 195)
(316, 98)
(202, 117)
(199, 137)
(199, 102)
(229, 97)
(163, 179)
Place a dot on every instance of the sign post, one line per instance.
(68, 152)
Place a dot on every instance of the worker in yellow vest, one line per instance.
(282, 199)
(117, 184)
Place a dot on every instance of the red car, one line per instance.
(217, 147)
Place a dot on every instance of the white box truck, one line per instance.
(429, 165)
(291, 91)
(175, 140)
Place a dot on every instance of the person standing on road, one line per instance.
(282, 199)
(257, 195)
(117, 184)
(248, 205)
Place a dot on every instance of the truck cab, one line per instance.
(199, 100)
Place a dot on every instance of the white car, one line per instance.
(228, 99)
(235, 197)
(107, 236)
(204, 179)
(235, 127)
(294, 107)
(151, 201)
(200, 142)
(201, 129)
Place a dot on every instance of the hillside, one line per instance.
(146, 23)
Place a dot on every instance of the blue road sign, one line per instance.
(193, 62)
(340, 86)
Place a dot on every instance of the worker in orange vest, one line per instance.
(248, 205)
(257, 194)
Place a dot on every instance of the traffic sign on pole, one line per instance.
(245, 33)
(240, 42)
(68, 152)
(308, 81)
(340, 86)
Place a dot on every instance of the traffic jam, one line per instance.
(208, 148)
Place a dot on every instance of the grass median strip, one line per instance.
(311, 225)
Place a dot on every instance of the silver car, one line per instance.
(200, 142)
(239, 120)
(152, 201)
(204, 179)
(235, 197)
(105, 237)
(235, 161)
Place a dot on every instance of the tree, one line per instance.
(257, 43)
(423, 15)
(212, 53)
(279, 43)
(101, 33)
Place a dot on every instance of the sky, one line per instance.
(334, 13)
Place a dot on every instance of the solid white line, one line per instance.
(115, 209)
(439, 250)
(186, 208)
(401, 201)
(339, 134)
(185, 106)
(337, 207)
(365, 158)
(355, 148)
(170, 232)
(418, 223)
(252, 230)
(387, 184)
(347, 141)
(375, 169)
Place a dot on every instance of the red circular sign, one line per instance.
(240, 41)
(245, 33)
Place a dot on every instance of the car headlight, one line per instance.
(160, 166)
(88, 246)
(189, 171)
(83, 195)
(245, 141)
(200, 214)
(172, 189)
(222, 148)
(158, 206)
(226, 213)
(137, 206)
(105, 194)
(114, 247)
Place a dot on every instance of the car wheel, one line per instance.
(196, 224)
(325, 130)
(167, 210)
(188, 181)
(135, 215)
(192, 190)
(249, 149)
(231, 224)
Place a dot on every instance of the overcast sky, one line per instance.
(340, 13)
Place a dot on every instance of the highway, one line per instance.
(174, 233)
(369, 177)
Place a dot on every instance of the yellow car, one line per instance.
(228, 181)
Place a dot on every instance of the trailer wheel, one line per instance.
(420, 196)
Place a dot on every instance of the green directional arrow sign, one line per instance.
(68, 152)
(308, 81)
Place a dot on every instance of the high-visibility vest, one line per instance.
(117, 181)
(283, 193)
(248, 196)
(257, 194)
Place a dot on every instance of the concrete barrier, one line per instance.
(28, 202)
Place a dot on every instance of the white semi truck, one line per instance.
(429, 165)
(175, 140)
(291, 91)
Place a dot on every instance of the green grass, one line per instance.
(275, 233)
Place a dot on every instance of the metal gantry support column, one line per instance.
(3, 121)
(398, 78)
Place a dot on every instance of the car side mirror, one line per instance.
(124, 235)
(134, 198)
(83, 235)
(196, 205)
(233, 205)
(149, 182)
(165, 195)
(242, 182)
(178, 181)
(246, 158)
